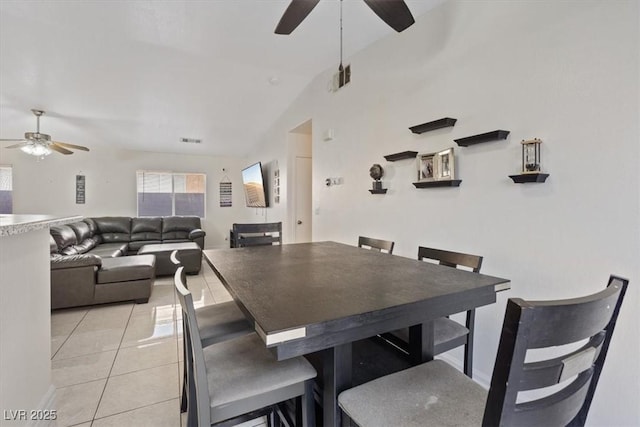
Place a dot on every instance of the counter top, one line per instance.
(17, 224)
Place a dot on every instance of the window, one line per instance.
(167, 193)
(6, 190)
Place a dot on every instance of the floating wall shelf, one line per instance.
(436, 124)
(443, 183)
(529, 177)
(383, 191)
(483, 137)
(401, 156)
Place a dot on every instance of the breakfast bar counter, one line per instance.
(26, 389)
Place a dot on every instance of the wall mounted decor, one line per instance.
(530, 163)
(483, 137)
(226, 197)
(376, 172)
(401, 156)
(80, 189)
(436, 124)
(437, 170)
(276, 186)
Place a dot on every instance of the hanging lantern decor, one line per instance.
(531, 170)
(531, 155)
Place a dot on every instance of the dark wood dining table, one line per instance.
(323, 296)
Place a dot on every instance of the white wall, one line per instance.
(565, 72)
(48, 186)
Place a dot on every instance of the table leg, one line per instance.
(421, 343)
(337, 378)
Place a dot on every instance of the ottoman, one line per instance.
(125, 278)
(189, 253)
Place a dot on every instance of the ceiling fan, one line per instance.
(395, 13)
(40, 144)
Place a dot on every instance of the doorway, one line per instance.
(300, 150)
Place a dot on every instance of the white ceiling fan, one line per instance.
(40, 144)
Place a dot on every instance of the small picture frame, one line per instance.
(276, 185)
(427, 167)
(438, 166)
(446, 164)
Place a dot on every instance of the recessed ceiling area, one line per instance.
(143, 74)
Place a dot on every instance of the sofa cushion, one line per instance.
(53, 246)
(177, 228)
(115, 229)
(85, 246)
(82, 230)
(64, 237)
(74, 261)
(110, 250)
(146, 229)
(126, 269)
(134, 247)
(93, 229)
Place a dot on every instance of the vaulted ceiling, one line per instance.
(143, 74)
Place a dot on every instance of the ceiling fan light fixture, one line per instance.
(37, 149)
(40, 144)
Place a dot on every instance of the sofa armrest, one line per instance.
(196, 233)
(75, 261)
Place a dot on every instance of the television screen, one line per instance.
(254, 189)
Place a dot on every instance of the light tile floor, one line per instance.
(121, 364)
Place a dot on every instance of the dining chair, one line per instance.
(239, 379)
(448, 334)
(552, 387)
(217, 323)
(376, 244)
(257, 234)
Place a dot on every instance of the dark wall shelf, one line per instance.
(401, 156)
(436, 124)
(383, 191)
(443, 183)
(483, 137)
(529, 177)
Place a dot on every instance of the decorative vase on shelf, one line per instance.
(376, 172)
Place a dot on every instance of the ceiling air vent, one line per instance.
(191, 140)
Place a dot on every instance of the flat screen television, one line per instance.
(253, 182)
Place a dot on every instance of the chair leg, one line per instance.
(192, 405)
(308, 405)
(468, 348)
(183, 401)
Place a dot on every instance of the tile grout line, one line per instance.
(69, 336)
(112, 365)
(134, 409)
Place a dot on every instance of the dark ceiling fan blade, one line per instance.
(395, 13)
(59, 149)
(21, 144)
(64, 144)
(294, 15)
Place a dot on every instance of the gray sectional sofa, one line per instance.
(95, 261)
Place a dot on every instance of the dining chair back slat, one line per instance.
(256, 234)
(376, 244)
(533, 325)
